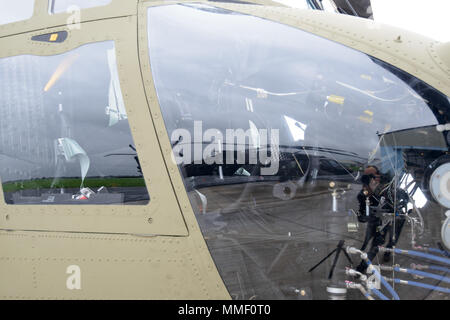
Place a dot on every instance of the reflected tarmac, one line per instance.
(264, 246)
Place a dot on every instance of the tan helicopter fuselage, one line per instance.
(154, 251)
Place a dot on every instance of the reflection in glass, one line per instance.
(357, 146)
(58, 144)
(13, 11)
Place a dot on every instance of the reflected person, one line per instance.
(375, 198)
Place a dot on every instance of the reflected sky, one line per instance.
(210, 65)
(64, 96)
(17, 10)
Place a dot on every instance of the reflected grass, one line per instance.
(46, 183)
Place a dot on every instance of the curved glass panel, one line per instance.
(64, 132)
(294, 149)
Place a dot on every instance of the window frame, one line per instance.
(161, 216)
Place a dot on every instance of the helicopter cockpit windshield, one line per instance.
(290, 145)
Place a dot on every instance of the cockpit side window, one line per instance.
(13, 11)
(64, 132)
